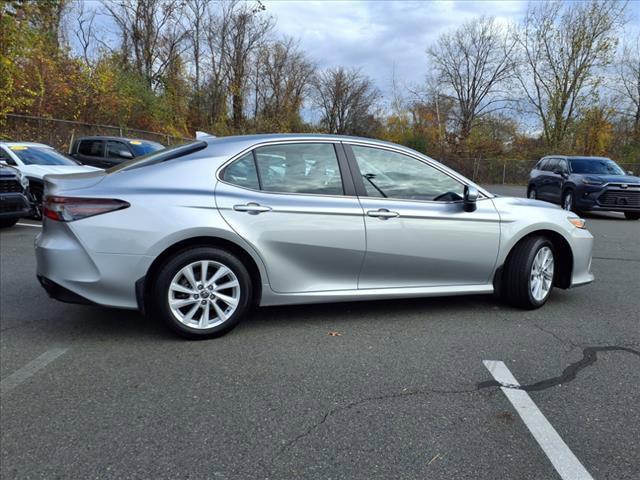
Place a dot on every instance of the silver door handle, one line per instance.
(382, 213)
(252, 208)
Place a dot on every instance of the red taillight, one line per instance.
(68, 209)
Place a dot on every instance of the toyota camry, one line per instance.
(197, 234)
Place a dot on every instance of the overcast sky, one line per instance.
(382, 37)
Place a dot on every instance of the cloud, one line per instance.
(383, 38)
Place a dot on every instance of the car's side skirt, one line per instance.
(270, 298)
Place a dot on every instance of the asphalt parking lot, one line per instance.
(399, 391)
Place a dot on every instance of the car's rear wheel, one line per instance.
(202, 292)
(532, 193)
(632, 215)
(529, 273)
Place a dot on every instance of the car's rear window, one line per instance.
(164, 155)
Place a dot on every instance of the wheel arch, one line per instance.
(256, 273)
(562, 249)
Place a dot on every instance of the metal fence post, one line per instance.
(504, 172)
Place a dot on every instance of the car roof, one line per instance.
(25, 144)
(575, 157)
(107, 137)
(241, 142)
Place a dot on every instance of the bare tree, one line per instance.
(472, 64)
(283, 76)
(151, 31)
(562, 49)
(346, 99)
(628, 82)
(84, 31)
(244, 28)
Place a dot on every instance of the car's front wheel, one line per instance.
(37, 192)
(568, 201)
(529, 273)
(632, 215)
(532, 193)
(202, 292)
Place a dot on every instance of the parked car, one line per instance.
(198, 233)
(15, 199)
(585, 184)
(105, 152)
(35, 160)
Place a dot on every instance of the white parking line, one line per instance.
(563, 459)
(29, 225)
(20, 375)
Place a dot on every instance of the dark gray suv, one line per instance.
(585, 184)
(105, 152)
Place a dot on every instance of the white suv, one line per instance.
(35, 160)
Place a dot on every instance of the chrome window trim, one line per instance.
(484, 195)
(280, 142)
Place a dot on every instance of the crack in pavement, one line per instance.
(560, 339)
(589, 357)
(618, 258)
(333, 411)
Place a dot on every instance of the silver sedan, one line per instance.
(198, 234)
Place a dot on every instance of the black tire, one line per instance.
(37, 192)
(515, 288)
(569, 197)
(632, 215)
(8, 222)
(158, 304)
(532, 193)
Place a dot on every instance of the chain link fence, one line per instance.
(61, 133)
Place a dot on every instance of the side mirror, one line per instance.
(3, 162)
(471, 195)
(629, 172)
(125, 154)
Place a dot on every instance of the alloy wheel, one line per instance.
(568, 201)
(204, 294)
(541, 277)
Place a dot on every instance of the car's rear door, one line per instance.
(296, 204)
(418, 234)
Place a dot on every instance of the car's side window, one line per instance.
(562, 165)
(542, 165)
(115, 148)
(393, 175)
(91, 148)
(242, 172)
(310, 168)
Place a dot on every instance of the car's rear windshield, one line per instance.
(159, 156)
(144, 147)
(31, 155)
(595, 166)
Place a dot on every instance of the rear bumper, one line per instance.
(71, 273)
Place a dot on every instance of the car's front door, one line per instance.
(418, 234)
(91, 152)
(296, 204)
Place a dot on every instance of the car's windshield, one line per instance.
(40, 155)
(595, 166)
(143, 147)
